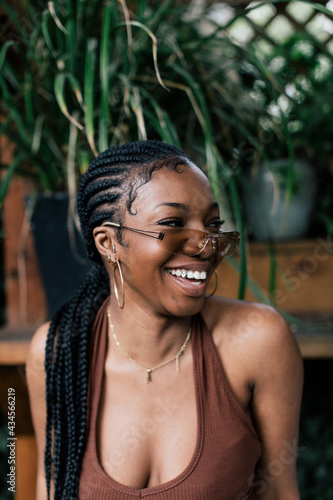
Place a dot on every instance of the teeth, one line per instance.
(197, 275)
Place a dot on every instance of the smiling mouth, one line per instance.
(188, 274)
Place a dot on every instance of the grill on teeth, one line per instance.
(189, 274)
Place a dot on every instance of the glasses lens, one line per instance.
(179, 240)
(193, 242)
(228, 242)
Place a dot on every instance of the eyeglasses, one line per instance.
(177, 240)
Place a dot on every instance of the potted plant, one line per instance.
(77, 77)
(296, 160)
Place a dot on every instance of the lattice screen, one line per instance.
(273, 23)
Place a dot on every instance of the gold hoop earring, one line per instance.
(120, 304)
(215, 287)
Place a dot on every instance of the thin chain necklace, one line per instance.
(150, 370)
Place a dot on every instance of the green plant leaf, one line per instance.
(319, 7)
(19, 158)
(273, 267)
(162, 121)
(46, 32)
(14, 112)
(199, 106)
(142, 6)
(71, 39)
(59, 91)
(55, 17)
(3, 52)
(236, 203)
(37, 134)
(161, 11)
(104, 114)
(4, 125)
(154, 48)
(89, 72)
(128, 27)
(27, 94)
(136, 106)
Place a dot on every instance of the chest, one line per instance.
(149, 435)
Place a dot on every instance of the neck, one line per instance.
(148, 338)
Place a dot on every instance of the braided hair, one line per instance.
(110, 183)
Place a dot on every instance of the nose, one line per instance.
(202, 246)
(210, 247)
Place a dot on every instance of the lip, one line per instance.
(195, 266)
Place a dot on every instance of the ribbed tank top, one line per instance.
(227, 447)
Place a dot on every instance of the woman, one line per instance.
(158, 391)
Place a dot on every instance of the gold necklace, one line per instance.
(150, 370)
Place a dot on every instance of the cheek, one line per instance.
(145, 262)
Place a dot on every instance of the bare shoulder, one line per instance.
(254, 335)
(35, 372)
(249, 323)
(36, 355)
(219, 310)
(39, 338)
(36, 377)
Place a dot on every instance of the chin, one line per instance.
(187, 307)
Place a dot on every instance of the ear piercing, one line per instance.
(113, 251)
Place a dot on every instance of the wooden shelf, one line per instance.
(14, 342)
(315, 345)
(303, 275)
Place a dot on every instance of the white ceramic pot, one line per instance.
(270, 215)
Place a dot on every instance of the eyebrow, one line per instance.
(183, 206)
(173, 204)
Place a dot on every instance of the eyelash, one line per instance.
(217, 223)
(170, 222)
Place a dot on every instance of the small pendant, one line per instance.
(148, 376)
(177, 362)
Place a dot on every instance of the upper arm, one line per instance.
(277, 389)
(35, 372)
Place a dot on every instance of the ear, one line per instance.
(105, 241)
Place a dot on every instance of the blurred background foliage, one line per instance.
(231, 83)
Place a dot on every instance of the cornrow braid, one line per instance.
(108, 187)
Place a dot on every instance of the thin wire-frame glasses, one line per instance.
(178, 240)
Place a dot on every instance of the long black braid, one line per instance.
(109, 185)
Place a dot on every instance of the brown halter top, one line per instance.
(227, 447)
